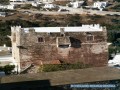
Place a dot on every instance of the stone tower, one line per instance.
(86, 44)
(15, 39)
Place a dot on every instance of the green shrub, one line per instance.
(27, 6)
(117, 0)
(117, 7)
(4, 1)
(56, 67)
(7, 69)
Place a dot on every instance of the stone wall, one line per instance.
(87, 47)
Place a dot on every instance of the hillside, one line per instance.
(4, 1)
(39, 20)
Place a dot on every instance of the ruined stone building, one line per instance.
(36, 45)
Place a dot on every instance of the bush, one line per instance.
(117, 7)
(117, 0)
(27, 6)
(62, 3)
(115, 21)
(1, 68)
(7, 69)
(55, 67)
(4, 1)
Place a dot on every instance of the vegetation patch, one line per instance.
(117, 7)
(4, 1)
(7, 69)
(63, 3)
(27, 6)
(55, 67)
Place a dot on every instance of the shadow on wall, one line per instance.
(27, 85)
(76, 43)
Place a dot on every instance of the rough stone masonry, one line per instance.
(36, 45)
